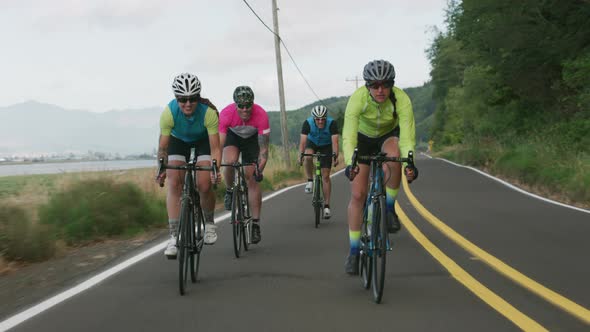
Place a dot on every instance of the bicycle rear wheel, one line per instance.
(183, 244)
(236, 220)
(379, 240)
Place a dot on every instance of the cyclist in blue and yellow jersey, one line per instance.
(378, 117)
(189, 121)
(320, 133)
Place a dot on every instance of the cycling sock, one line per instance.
(326, 206)
(390, 200)
(355, 240)
(255, 220)
(208, 215)
(173, 226)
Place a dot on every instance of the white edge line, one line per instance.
(92, 281)
(515, 187)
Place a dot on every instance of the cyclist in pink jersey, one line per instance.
(244, 128)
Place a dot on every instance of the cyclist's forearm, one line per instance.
(302, 142)
(215, 148)
(263, 141)
(163, 147)
(335, 146)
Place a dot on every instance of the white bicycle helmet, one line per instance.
(379, 70)
(319, 111)
(186, 85)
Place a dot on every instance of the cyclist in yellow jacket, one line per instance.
(378, 117)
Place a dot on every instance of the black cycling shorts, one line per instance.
(325, 162)
(178, 147)
(368, 146)
(247, 146)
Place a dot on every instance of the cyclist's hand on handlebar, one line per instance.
(411, 173)
(351, 172)
(161, 178)
(215, 175)
(335, 158)
(258, 177)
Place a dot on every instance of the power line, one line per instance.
(286, 49)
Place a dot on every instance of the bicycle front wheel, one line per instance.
(317, 201)
(199, 240)
(379, 240)
(366, 262)
(246, 222)
(183, 243)
(236, 220)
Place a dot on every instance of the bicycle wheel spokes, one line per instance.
(317, 204)
(236, 222)
(366, 263)
(183, 243)
(196, 243)
(379, 240)
(246, 221)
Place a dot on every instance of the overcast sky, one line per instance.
(118, 54)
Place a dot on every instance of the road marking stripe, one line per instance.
(544, 292)
(55, 300)
(515, 187)
(492, 299)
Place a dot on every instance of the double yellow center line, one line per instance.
(489, 297)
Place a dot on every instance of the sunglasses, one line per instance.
(377, 84)
(244, 106)
(320, 119)
(183, 100)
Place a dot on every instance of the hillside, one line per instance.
(34, 128)
(422, 103)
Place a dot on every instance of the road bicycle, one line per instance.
(318, 185)
(241, 218)
(374, 233)
(191, 225)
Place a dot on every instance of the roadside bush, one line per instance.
(92, 209)
(21, 239)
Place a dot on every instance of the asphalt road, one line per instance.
(294, 279)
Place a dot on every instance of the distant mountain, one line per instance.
(36, 128)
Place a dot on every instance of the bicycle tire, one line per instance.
(317, 201)
(366, 263)
(199, 227)
(379, 254)
(236, 222)
(182, 243)
(246, 225)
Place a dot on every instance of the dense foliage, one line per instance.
(512, 89)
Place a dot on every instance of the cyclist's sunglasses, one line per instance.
(244, 106)
(183, 100)
(377, 84)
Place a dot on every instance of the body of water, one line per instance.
(69, 167)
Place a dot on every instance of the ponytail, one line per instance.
(394, 102)
(208, 103)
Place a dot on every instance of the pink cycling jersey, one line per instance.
(257, 124)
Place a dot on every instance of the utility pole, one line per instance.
(284, 130)
(356, 80)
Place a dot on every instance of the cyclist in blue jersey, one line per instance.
(189, 121)
(319, 132)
